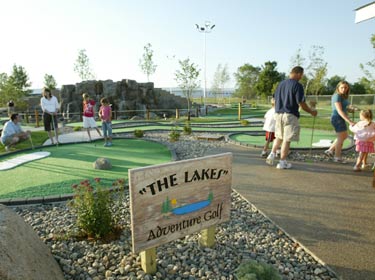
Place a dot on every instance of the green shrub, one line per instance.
(187, 128)
(244, 122)
(174, 135)
(138, 133)
(95, 215)
(253, 270)
(77, 128)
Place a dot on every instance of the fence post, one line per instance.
(148, 114)
(27, 117)
(36, 118)
(197, 112)
(177, 114)
(239, 111)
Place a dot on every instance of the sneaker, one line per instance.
(105, 144)
(339, 160)
(264, 154)
(366, 166)
(328, 153)
(109, 144)
(356, 168)
(283, 164)
(270, 159)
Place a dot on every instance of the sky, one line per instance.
(44, 36)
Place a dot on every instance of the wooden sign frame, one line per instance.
(172, 200)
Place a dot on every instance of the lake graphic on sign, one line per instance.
(168, 206)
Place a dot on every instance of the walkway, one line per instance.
(327, 207)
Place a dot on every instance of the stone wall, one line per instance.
(124, 95)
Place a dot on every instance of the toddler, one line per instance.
(364, 135)
(269, 127)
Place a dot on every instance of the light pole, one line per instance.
(206, 28)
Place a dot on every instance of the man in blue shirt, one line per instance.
(289, 96)
(12, 132)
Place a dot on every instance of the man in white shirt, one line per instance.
(12, 132)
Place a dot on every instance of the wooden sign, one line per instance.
(170, 201)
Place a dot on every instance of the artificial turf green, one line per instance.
(72, 163)
(304, 142)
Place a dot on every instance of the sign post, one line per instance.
(172, 200)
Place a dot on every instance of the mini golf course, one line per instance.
(70, 164)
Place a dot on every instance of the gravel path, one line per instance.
(248, 235)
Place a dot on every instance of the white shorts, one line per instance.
(287, 127)
(89, 122)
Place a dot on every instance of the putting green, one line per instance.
(304, 142)
(73, 163)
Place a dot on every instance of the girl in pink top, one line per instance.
(364, 135)
(105, 114)
(88, 115)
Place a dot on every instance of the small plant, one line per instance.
(244, 122)
(253, 270)
(95, 215)
(77, 128)
(138, 133)
(174, 135)
(187, 129)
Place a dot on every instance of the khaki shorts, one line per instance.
(287, 127)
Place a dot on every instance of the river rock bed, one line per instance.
(248, 235)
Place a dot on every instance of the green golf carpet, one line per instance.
(72, 163)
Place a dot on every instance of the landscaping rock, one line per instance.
(23, 254)
(102, 164)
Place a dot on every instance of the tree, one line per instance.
(267, 79)
(49, 82)
(221, 77)
(19, 79)
(246, 78)
(358, 88)
(146, 63)
(187, 79)
(297, 59)
(316, 71)
(14, 87)
(82, 66)
(368, 69)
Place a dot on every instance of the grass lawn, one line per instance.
(70, 164)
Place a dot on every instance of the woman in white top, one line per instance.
(50, 108)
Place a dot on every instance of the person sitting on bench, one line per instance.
(12, 132)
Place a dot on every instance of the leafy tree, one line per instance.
(267, 78)
(19, 79)
(146, 63)
(246, 78)
(50, 82)
(367, 85)
(368, 70)
(316, 71)
(14, 87)
(187, 79)
(221, 77)
(82, 66)
(358, 88)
